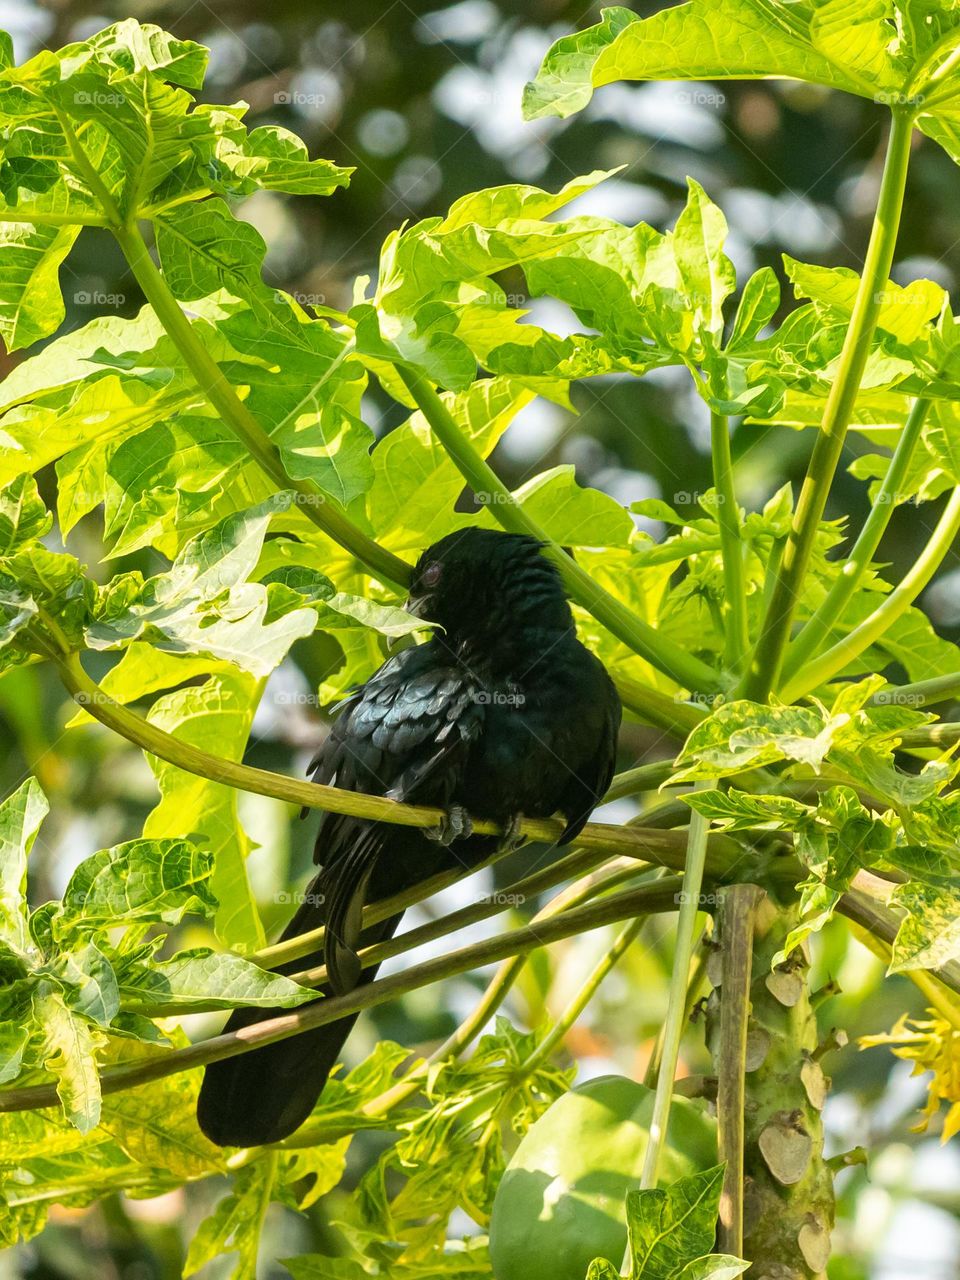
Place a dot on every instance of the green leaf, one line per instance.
(20, 818)
(140, 881)
(905, 310)
(88, 982)
(742, 735)
(13, 1041)
(22, 514)
(204, 603)
(416, 484)
(432, 271)
(757, 307)
(734, 810)
(321, 1166)
(274, 159)
(707, 273)
(674, 1225)
(205, 978)
(234, 1226)
(929, 935)
(31, 304)
(717, 1266)
(570, 515)
(216, 717)
(204, 248)
(69, 1048)
(163, 485)
(700, 40)
(833, 843)
(602, 1269)
(128, 47)
(155, 1124)
(858, 35)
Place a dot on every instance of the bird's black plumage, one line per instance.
(503, 712)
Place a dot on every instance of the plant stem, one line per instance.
(738, 905)
(734, 607)
(318, 507)
(661, 653)
(88, 171)
(622, 869)
(583, 997)
(665, 847)
(41, 219)
(673, 714)
(491, 1000)
(698, 971)
(764, 672)
(211, 380)
(882, 923)
(674, 550)
(944, 734)
(646, 777)
(649, 899)
(894, 605)
(576, 863)
(820, 624)
(673, 1028)
(921, 693)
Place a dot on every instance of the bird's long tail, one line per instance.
(263, 1096)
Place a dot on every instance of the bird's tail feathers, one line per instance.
(264, 1095)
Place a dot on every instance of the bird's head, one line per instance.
(480, 583)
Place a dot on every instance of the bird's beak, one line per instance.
(412, 604)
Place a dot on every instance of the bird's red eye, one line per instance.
(432, 574)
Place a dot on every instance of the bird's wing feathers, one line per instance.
(604, 760)
(404, 735)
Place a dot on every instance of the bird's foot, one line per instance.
(512, 837)
(455, 825)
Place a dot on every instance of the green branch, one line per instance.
(40, 218)
(733, 610)
(577, 863)
(664, 847)
(643, 639)
(490, 1001)
(649, 899)
(921, 693)
(572, 1012)
(672, 714)
(695, 981)
(764, 672)
(819, 625)
(318, 507)
(646, 777)
(944, 734)
(894, 605)
(673, 1027)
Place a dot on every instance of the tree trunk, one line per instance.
(788, 1201)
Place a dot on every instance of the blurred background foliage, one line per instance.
(424, 100)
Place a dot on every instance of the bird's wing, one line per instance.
(593, 788)
(405, 734)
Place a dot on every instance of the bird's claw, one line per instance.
(512, 837)
(455, 825)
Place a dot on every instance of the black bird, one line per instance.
(501, 713)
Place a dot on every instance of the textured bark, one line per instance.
(788, 1188)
